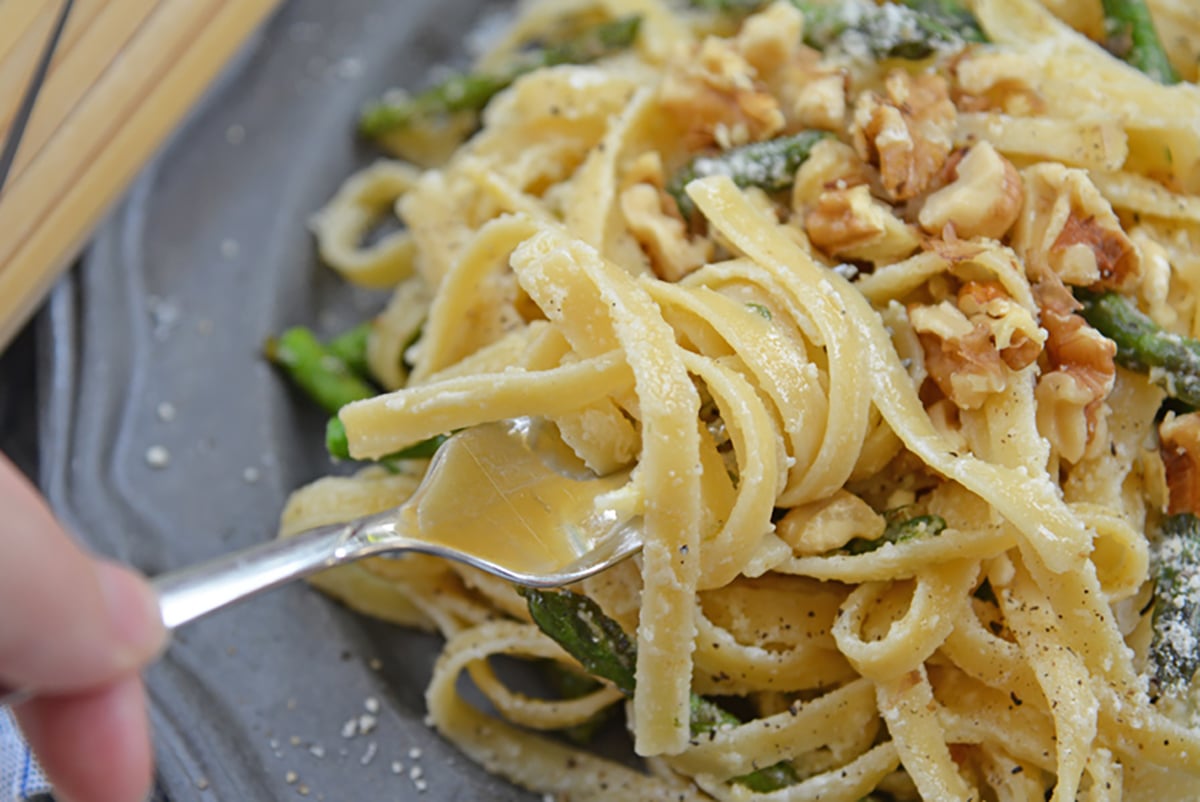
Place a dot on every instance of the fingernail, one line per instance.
(133, 611)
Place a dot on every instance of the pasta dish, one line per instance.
(887, 308)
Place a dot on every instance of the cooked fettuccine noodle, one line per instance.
(790, 372)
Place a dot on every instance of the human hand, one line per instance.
(74, 630)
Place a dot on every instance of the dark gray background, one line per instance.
(208, 255)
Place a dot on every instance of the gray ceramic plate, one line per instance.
(207, 256)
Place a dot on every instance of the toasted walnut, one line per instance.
(1088, 245)
(995, 81)
(715, 95)
(821, 526)
(972, 344)
(955, 250)
(959, 355)
(771, 38)
(663, 236)
(1078, 376)
(1014, 332)
(1179, 446)
(850, 224)
(821, 102)
(830, 165)
(907, 134)
(1068, 228)
(983, 200)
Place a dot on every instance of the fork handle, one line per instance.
(189, 593)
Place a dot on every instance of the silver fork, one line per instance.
(507, 498)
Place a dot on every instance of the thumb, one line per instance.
(68, 621)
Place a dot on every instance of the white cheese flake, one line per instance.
(158, 457)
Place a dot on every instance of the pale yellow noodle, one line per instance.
(775, 413)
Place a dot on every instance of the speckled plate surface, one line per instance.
(154, 342)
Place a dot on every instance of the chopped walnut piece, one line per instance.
(960, 356)
(821, 102)
(772, 37)
(955, 250)
(1111, 252)
(983, 199)
(969, 342)
(907, 134)
(829, 523)
(1179, 446)
(1015, 334)
(995, 81)
(1079, 374)
(663, 236)
(1068, 228)
(830, 165)
(850, 224)
(715, 95)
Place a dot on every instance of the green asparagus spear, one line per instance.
(351, 348)
(899, 530)
(1174, 652)
(912, 30)
(729, 6)
(578, 624)
(457, 93)
(316, 370)
(1133, 38)
(324, 374)
(338, 445)
(707, 716)
(949, 13)
(770, 165)
(1172, 360)
(593, 44)
(473, 91)
(423, 449)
